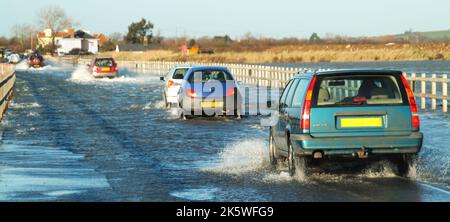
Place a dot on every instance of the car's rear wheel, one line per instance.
(272, 149)
(404, 162)
(166, 104)
(291, 160)
(181, 111)
(296, 164)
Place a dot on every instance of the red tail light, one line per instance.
(359, 100)
(191, 93)
(169, 83)
(115, 68)
(415, 121)
(306, 112)
(96, 69)
(231, 92)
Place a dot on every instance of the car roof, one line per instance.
(183, 66)
(348, 71)
(104, 58)
(198, 68)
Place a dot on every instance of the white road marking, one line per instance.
(435, 188)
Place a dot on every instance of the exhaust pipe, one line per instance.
(317, 155)
(361, 154)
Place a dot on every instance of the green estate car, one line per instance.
(354, 114)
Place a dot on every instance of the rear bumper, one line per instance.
(306, 145)
(104, 74)
(172, 99)
(192, 106)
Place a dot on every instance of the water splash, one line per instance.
(154, 105)
(242, 157)
(49, 66)
(81, 74)
(15, 105)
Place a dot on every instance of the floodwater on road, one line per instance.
(69, 137)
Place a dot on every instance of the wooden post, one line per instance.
(423, 91)
(433, 92)
(352, 87)
(444, 93)
(412, 84)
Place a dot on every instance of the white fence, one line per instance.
(432, 88)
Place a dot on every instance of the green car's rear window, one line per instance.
(357, 90)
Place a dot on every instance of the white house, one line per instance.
(79, 40)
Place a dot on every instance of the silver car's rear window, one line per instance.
(357, 90)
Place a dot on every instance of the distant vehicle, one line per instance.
(2, 56)
(210, 91)
(6, 52)
(14, 58)
(104, 67)
(360, 114)
(2, 53)
(35, 60)
(172, 84)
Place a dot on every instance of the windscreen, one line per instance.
(358, 90)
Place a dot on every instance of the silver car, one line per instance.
(209, 91)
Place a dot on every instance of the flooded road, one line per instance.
(69, 137)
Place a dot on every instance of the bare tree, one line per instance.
(116, 37)
(55, 19)
(25, 34)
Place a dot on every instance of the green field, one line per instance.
(435, 35)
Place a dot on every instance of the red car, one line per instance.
(104, 67)
(36, 61)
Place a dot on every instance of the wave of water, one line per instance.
(50, 66)
(249, 157)
(81, 75)
(15, 105)
(242, 157)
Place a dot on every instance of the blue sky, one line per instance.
(280, 18)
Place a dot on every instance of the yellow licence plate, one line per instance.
(361, 122)
(105, 69)
(211, 104)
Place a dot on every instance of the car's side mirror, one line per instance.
(161, 78)
(269, 104)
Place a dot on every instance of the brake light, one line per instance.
(115, 68)
(359, 100)
(230, 92)
(306, 112)
(191, 93)
(169, 83)
(96, 69)
(415, 121)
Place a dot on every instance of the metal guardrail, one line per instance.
(274, 76)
